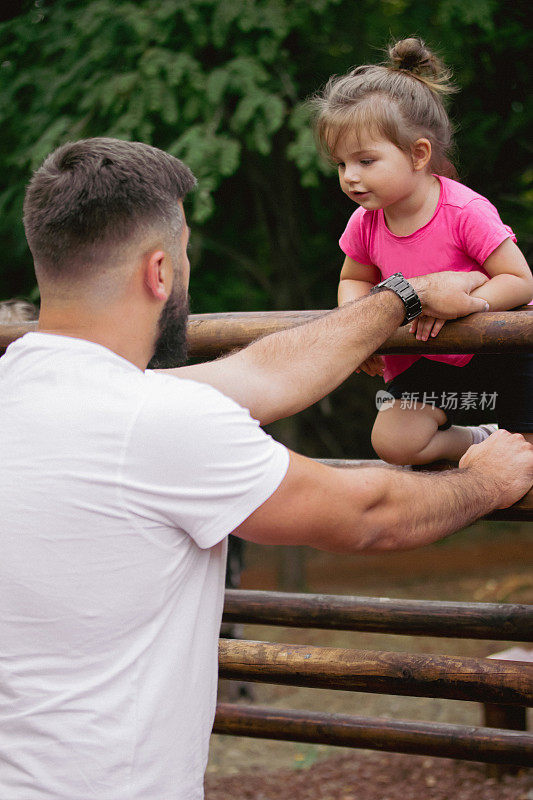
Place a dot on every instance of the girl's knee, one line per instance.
(388, 442)
(398, 442)
(391, 451)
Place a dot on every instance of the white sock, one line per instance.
(481, 432)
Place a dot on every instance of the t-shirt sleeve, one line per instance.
(353, 240)
(197, 461)
(481, 230)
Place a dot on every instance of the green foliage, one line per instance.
(167, 73)
(218, 81)
(222, 84)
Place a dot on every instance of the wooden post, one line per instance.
(512, 718)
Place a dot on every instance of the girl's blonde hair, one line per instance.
(14, 311)
(401, 100)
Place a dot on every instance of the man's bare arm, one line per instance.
(288, 371)
(379, 509)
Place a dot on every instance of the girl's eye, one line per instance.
(367, 161)
(341, 164)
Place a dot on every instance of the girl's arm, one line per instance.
(510, 285)
(511, 281)
(356, 280)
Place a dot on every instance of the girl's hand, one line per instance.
(374, 365)
(424, 326)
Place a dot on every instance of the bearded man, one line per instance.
(120, 483)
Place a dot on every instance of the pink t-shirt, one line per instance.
(462, 233)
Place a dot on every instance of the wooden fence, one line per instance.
(505, 684)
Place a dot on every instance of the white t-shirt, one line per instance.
(118, 488)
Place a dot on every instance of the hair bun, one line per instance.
(412, 55)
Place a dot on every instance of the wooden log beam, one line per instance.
(476, 679)
(496, 621)
(488, 745)
(8, 333)
(211, 335)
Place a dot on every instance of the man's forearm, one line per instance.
(376, 509)
(413, 509)
(286, 372)
(302, 369)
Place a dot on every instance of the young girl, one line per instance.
(387, 130)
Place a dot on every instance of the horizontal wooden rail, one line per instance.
(488, 745)
(496, 621)
(12, 331)
(521, 511)
(477, 679)
(490, 332)
(211, 335)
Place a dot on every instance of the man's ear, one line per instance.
(158, 275)
(421, 153)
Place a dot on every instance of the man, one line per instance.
(120, 484)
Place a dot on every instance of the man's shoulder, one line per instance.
(170, 395)
(161, 382)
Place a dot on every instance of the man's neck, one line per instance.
(125, 341)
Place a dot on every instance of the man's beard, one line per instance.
(171, 345)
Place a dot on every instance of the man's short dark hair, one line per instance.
(91, 196)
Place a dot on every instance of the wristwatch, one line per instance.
(406, 293)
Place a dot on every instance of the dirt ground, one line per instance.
(373, 776)
(484, 563)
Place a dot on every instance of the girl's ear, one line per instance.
(421, 153)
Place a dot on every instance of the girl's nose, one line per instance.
(351, 174)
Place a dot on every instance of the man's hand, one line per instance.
(424, 326)
(446, 295)
(505, 463)
(375, 365)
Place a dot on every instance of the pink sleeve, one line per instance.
(353, 240)
(481, 230)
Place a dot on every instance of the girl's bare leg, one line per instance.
(411, 436)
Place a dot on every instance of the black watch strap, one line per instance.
(397, 283)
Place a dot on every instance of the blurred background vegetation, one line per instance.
(222, 84)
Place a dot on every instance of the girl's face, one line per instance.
(374, 172)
